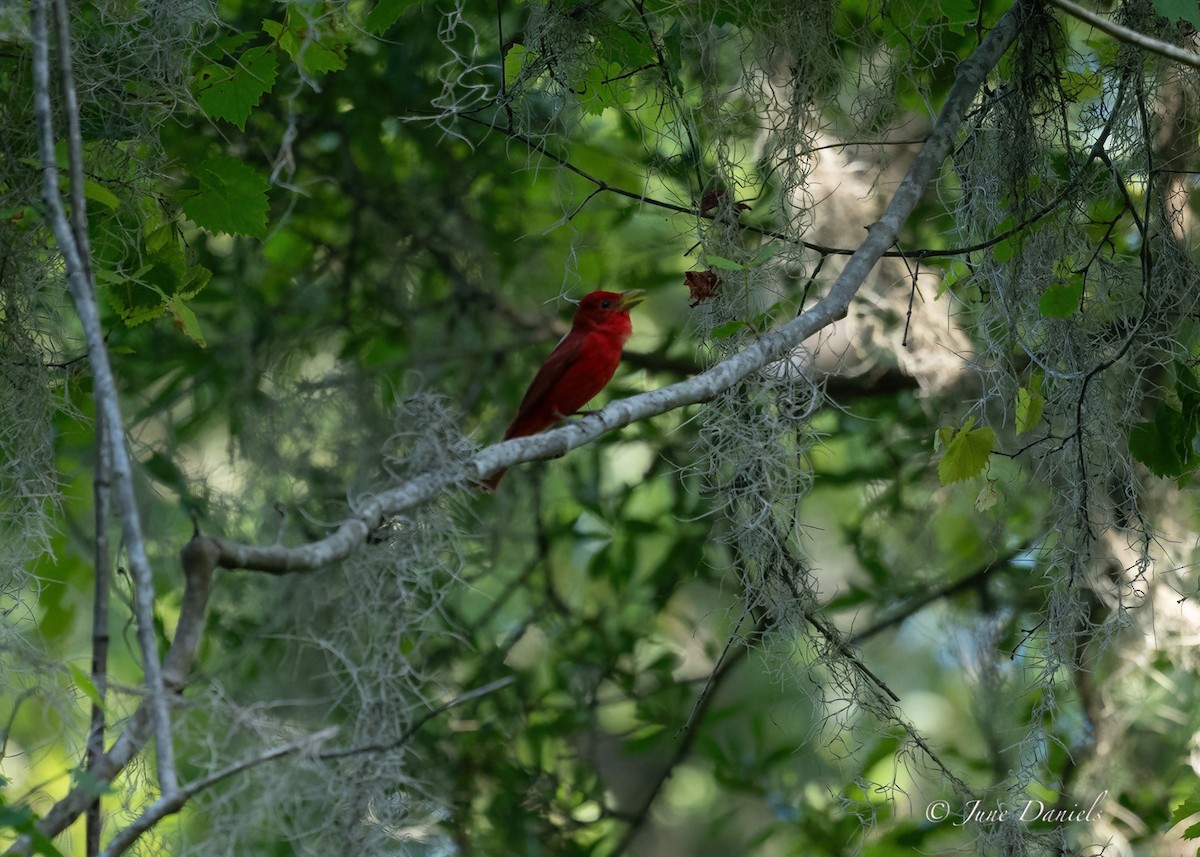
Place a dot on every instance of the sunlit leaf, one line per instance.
(966, 453)
(988, 496)
(1029, 406)
(99, 193)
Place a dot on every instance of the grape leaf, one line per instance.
(230, 93)
(97, 192)
(386, 12)
(1189, 807)
(966, 453)
(232, 198)
(305, 45)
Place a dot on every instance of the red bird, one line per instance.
(578, 368)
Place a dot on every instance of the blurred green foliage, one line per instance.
(317, 245)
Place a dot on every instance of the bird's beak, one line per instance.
(631, 298)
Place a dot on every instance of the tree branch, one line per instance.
(101, 574)
(1130, 37)
(173, 803)
(83, 295)
(771, 346)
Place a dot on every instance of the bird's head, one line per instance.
(599, 304)
(607, 310)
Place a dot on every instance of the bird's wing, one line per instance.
(533, 415)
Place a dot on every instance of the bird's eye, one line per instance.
(605, 304)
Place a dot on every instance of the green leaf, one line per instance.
(1104, 49)
(765, 254)
(1187, 388)
(97, 192)
(988, 496)
(319, 58)
(723, 263)
(89, 783)
(231, 93)
(1082, 85)
(1061, 301)
(85, 684)
(1173, 429)
(195, 279)
(960, 14)
(1189, 807)
(22, 820)
(232, 198)
(1030, 404)
(672, 42)
(957, 271)
(601, 89)
(966, 454)
(1179, 10)
(1154, 444)
(625, 48)
(186, 320)
(514, 63)
(305, 44)
(1006, 249)
(728, 329)
(386, 13)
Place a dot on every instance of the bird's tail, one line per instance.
(487, 486)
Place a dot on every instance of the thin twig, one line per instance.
(642, 197)
(690, 731)
(407, 734)
(105, 389)
(834, 637)
(673, 93)
(969, 581)
(709, 685)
